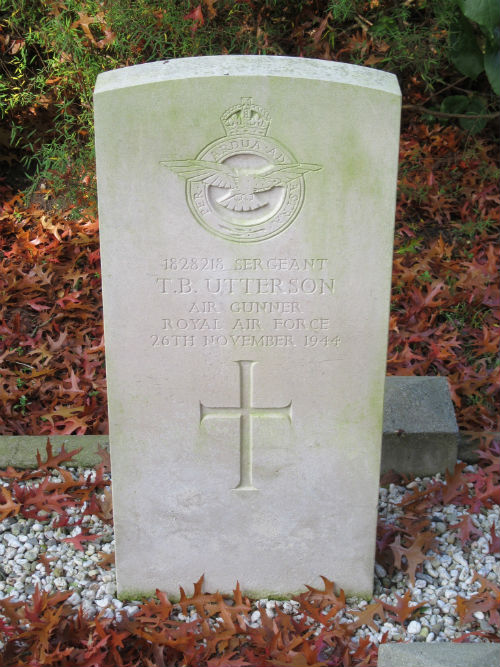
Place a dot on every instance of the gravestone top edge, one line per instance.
(243, 65)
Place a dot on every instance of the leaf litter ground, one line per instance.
(44, 623)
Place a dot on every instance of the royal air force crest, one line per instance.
(246, 186)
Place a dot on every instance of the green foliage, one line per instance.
(51, 52)
(417, 35)
(54, 51)
(465, 51)
(476, 40)
(474, 49)
(23, 403)
(485, 13)
(344, 10)
(469, 105)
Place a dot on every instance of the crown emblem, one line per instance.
(246, 118)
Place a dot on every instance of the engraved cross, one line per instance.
(246, 412)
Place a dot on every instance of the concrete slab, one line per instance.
(439, 655)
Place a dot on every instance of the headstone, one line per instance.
(246, 207)
(420, 428)
(434, 654)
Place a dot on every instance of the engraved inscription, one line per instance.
(263, 311)
(196, 324)
(245, 264)
(246, 412)
(244, 286)
(269, 285)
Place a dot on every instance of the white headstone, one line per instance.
(246, 207)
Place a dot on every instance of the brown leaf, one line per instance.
(209, 4)
(199, 599)
(466, 529)
(373, 60)
(84, 21)
(367, 617)
(77, 540)
(318, 34)
(105, 458)
(414, 555)
(494, 546)
(8, 507)
(402, 609)
(105, 506)
(55, 460)
(196, 15)
(106, 560)
(455, 483)
(46, 562)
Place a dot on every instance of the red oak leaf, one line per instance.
(196, 15)
(77, 540)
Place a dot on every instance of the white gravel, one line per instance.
(447, 572)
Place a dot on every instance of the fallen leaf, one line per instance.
(8, 507)
(77, 540)
(196, 15)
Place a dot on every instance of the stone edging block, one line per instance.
(439, 654)
(420, 429)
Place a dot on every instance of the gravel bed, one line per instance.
(447, 572)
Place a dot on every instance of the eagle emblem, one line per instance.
(243, 184)
(245, 187)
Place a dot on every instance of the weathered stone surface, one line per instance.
(246, 209)
(439, 655)
(420, 429)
